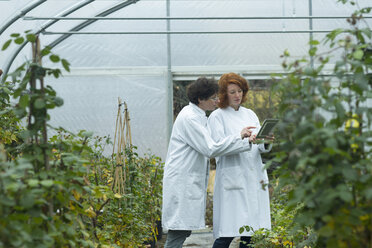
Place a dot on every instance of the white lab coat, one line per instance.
(186, 168)
(239, 198)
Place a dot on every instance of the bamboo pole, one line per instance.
(122, 140)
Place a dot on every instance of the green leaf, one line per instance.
(45, 51)
(314, 42)
(54, 58)
(6, 44)
(24, 101)
(308, 71)
(241, 230)
(56, 73)
(25, 134)
(350, 174)
(339, 109)
(31, 37)
(40, 72)
(65, 64)
(358, 54)
(326, 231)
(19, 40)
(47, 183)
(331, 143)
(368, 193)
(6, 90)
(13, 186)
(87, 134)
(58, 101)
(332, 35)
(39, 103)
(344, 193)
(312, 51)
(33, 182)
(20, 113)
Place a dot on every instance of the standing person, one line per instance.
(241, 196)
(186, 166)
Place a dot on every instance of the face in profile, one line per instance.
(210, 104)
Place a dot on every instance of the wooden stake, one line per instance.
(122, 140)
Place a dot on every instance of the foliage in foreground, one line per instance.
(57, 192)
(325, 149)
(323, 197)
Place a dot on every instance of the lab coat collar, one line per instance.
(229, 108)
(197, 109)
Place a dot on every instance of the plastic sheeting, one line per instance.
(91, 103)
(135, 66)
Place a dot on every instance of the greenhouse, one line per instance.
(142, 54)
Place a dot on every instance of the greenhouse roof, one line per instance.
(135, 49)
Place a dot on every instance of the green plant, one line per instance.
(56, 191)
(10, 127)
(35, 189)
(284, 232)
(111, 219)
(128, 220)
(324, 159)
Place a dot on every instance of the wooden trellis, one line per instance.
(122, 141)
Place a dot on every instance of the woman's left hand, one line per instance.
(270, 138)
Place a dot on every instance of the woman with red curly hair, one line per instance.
(241, 196)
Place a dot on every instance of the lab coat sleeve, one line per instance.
(198, 137)
(262, 149)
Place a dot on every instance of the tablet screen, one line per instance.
(266, 128)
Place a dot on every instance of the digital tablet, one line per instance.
(266, 128)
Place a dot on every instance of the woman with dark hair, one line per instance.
(241, 196)
(186, 166)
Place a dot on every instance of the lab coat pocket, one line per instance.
(195, 187)
(232, 178)
(264, 173)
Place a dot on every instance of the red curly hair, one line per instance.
(225, 80)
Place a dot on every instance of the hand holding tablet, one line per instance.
(266, 128)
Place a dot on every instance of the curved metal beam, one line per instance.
(48, 24)
(89, 22)
(22, 13)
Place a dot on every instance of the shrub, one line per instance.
(325, 148)
(57, 192)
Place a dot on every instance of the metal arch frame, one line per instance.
(65, 13)
(89, 22)
(102, 16)
(22, 13)
(62, 38)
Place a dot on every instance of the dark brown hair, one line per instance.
(225, 80)
(202, 89)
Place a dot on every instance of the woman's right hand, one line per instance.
(246, 132)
